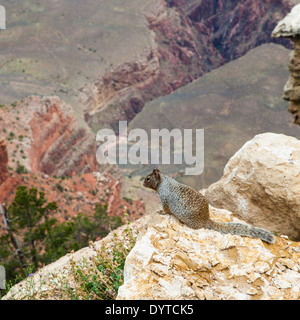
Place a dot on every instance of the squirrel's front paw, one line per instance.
(161, 211)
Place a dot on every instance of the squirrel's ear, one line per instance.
(156, 173)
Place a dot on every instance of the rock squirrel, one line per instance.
(192, 209)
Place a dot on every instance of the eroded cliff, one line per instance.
(47, 148)
(189, 38)
(289, 27)
(44, 135)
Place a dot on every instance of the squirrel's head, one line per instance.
(153, 180)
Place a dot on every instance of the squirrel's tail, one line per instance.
(242, 230)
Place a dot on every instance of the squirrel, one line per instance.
(192, 209)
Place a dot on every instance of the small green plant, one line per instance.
(59, 187)
(102, 278)
(129, 200)
(93, 191)
(24, 274)
(21, 169)
(11, 136)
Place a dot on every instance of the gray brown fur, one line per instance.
(192, 209)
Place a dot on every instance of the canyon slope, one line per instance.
(44, 146)
(57, 47)
(189, 39)
(232, 104)
(92, 63)
(44, 135)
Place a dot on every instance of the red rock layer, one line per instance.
(45, 136)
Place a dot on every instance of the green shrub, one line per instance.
(101, 279)
(21, 169)
(59, 187)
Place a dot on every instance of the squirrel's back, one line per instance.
(188, 205)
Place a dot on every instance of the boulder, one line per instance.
(261, 184)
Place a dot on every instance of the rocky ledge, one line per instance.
(172, 261)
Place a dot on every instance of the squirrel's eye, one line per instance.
(148, 179)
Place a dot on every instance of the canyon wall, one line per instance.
(189, 38)
(49, 149)
(44, 136)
